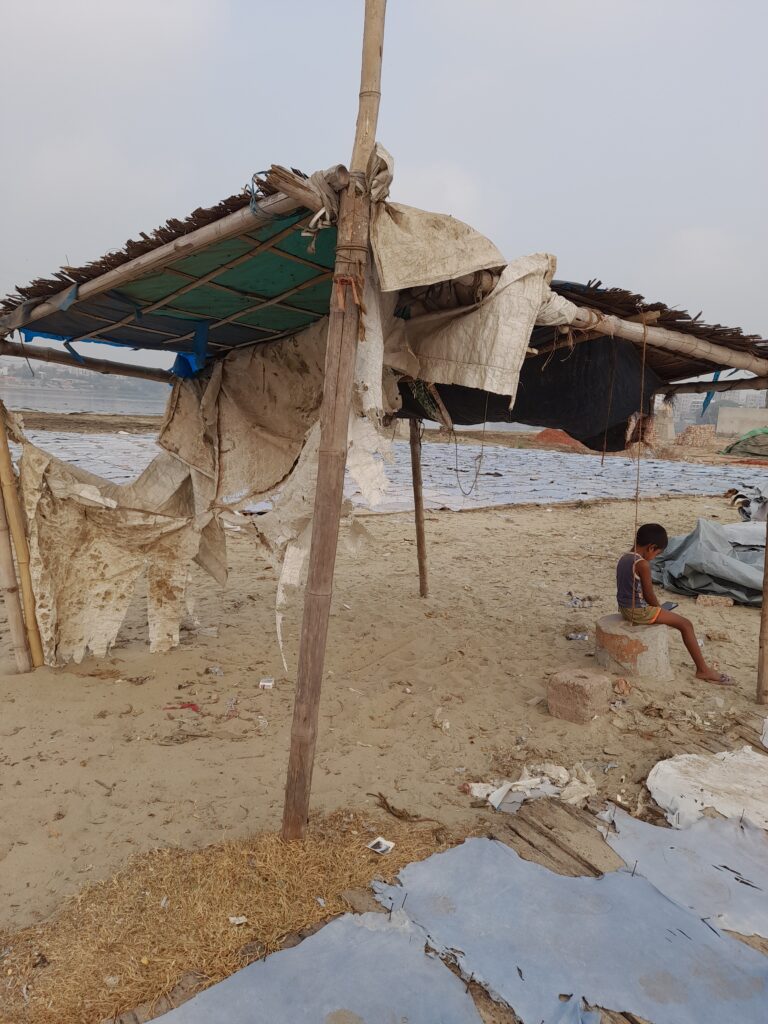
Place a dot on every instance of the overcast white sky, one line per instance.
(627, 138)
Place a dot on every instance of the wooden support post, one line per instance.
(762, 657)
(15, 518)
(418, 506)
(10, 589)
(343, 326)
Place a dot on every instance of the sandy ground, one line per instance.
(98, 765)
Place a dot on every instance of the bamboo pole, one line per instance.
(343, 327)
(49, 355)
(15, 518)
(672, 341)
(10, 588)
(762, 657)
(418, 506)
(702, 387)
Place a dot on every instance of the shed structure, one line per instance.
(262, 300)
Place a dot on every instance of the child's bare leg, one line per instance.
(685, 627)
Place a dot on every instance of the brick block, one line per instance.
(578, 695)
(635, 652)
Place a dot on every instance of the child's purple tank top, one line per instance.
(627, 583)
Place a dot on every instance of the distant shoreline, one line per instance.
(91, 422)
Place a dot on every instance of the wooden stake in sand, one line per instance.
(10, 588)
(762, 657)
(15, 519)
(418, 506)
(343, 326)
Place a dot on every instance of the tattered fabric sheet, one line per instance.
(91, 541)
(483, 346)
(552, 946)
(250, 431)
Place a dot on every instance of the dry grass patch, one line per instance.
(130, 939)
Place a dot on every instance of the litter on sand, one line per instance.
(536, 781)
(381, 845)
(734, 783)
(717, 869)
(550, 946)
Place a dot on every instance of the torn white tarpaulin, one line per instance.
(717, 869)
(414, 247)
(734, 783)
(90, 543)
(483, 346)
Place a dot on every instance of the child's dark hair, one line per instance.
(652, 533)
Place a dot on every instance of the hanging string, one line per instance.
(610, 404)
(478, 458)
(641, 435)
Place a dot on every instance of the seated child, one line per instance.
(639, 605)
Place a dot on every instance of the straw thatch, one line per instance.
(44, 287)
(627, 305)
(132, 938)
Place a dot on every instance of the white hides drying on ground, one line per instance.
(546, 944)
(717, 869)
(734, 783)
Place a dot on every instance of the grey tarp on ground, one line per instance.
(718, 869)
(361, 969)
(715, 559)
(531, 936)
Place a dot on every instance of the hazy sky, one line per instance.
(627, 138)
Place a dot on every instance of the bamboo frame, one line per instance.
(703, 387)
(49, 355)
(233, 224)
(343, 328)
(418, 505)
(672, 341)
(256, 307)
(18, 530)
(197, 281)
(10, 587)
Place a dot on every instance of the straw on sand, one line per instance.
(131, 938)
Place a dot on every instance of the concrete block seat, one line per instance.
(639, 652)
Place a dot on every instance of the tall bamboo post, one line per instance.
(344, 320)
(762, 657)
(15, 518)
(10, 588)
(418, 506)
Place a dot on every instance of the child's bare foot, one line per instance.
(711, 675)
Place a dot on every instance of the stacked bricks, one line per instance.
(698, 435)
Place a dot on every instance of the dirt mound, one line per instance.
(550, 438)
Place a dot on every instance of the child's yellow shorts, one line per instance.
(643, 616)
